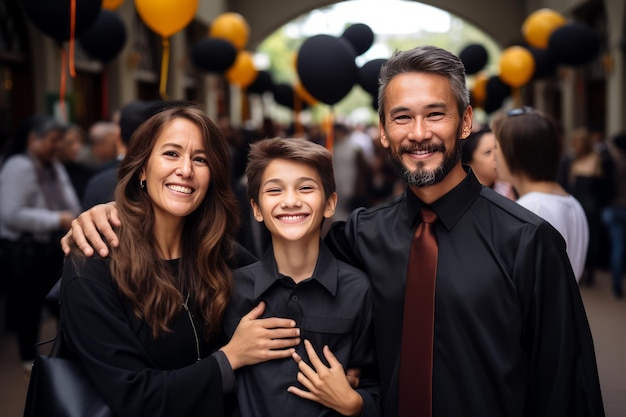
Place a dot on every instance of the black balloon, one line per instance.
(326, 68)
(52, 17)
(474, 58)
(105, 38)
(263, 83)
(375, 103)
(497, 90)
(360, 37)
(545, 64)
(368, 75)
(574, 44)
(213, 54)
(285, 95)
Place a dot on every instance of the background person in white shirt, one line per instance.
(529, 149)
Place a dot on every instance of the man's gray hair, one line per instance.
(427, 59)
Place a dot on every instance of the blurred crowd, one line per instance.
(50, 172)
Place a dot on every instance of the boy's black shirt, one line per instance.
(332, 308)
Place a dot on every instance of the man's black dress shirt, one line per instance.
(511, 334)
(332, 308)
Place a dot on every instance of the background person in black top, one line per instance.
(511, 337)
(101, 187)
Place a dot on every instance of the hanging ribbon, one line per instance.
(63, 83)
(330, 134)
(72, 36)
(165, 60)
(516, 96)
(65, 58)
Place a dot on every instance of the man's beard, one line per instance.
(421, 177)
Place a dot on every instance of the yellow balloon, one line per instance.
(166, 17)
(304, 94)
(479, 90)
(231, 27)
(111, 4)
(539, 25)
(243, 72)
(517, 66)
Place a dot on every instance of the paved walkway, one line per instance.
(607, 318)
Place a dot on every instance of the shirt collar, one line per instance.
(325, 271)
(450, 207)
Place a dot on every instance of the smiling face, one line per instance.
(177, 173)
(484, 159)
(422, 127)
(291, 201)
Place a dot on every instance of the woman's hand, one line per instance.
(327, 386)
(90, 227)
(258, 340)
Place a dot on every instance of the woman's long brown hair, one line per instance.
(207, 240)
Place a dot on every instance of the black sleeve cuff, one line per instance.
(228, 375)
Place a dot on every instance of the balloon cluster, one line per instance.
(222, 51)
(550, 42)
(101, 32)
(326, 70)
(53, 18)
(326, 64)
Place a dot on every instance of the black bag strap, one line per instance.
(56, 344)
(59, 345)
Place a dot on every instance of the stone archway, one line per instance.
(501, 20)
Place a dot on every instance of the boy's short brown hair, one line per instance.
(291, 149)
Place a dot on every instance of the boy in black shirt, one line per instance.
(291, 188)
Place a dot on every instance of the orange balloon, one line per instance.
(166, 17)
(242, 72)
(111, 4)
(517, 66)
(294, 61)
(479, 90)
(231, 27)
(304, 94)
(539, 25)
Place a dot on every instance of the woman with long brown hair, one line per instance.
(146, 321)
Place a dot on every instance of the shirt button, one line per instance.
(295, 298)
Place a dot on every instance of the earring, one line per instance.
(142, 184)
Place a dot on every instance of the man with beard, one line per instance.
(511, 337)
(510, 333)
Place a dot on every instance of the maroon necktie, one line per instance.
(416, 357)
